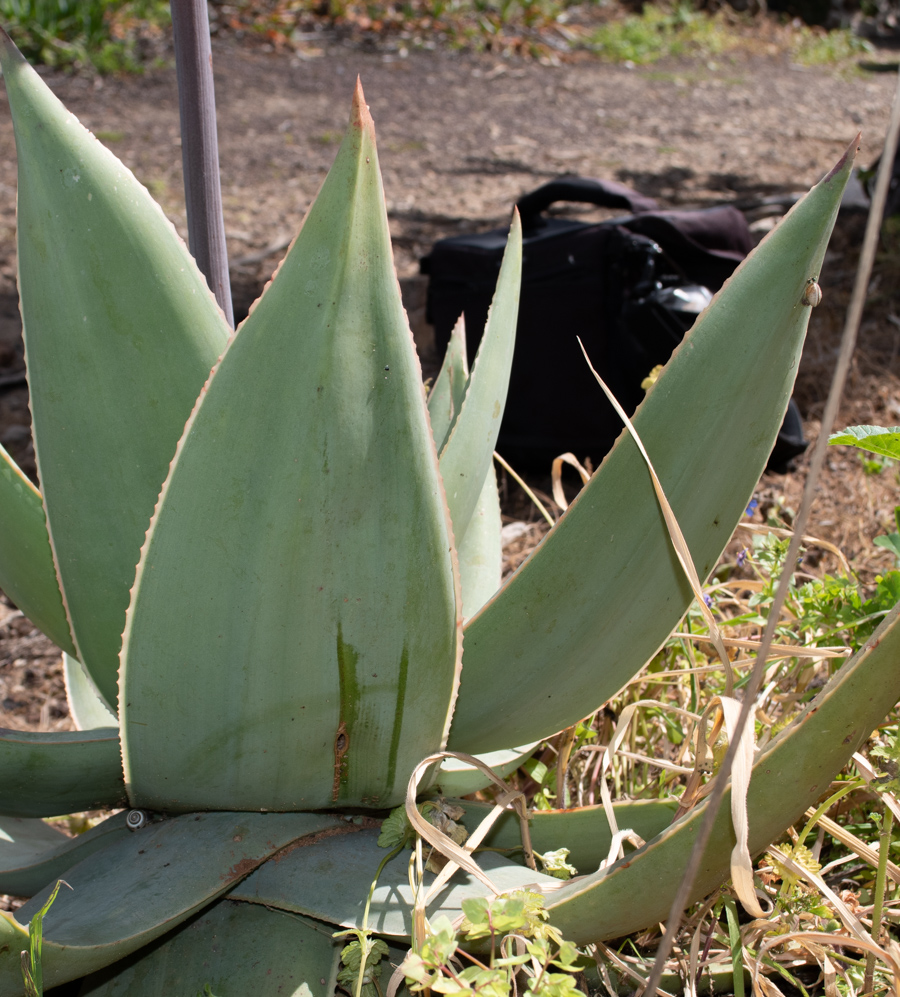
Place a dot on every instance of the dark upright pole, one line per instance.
(200, 147)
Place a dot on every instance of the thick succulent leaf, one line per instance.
(87, 706)
(788, 776)
(120, 335)
(306, 881)
(48, 774)
(138, 888)
(33, 854)
(27, 572)
(236, 949)
(456, 778)
(603, 591)
(446, 396)
(468, 454)
(481, 550)
(584, 830)
(301, 558)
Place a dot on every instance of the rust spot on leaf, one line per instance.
(341, 744)
(241, 869)
(328, 832)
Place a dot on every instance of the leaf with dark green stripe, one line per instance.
(300, 561)
(120, 335)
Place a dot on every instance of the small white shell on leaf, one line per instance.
(812, 293)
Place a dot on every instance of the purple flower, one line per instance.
(752, 507)
(707, 598)
(742, 557)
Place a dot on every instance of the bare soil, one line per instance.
(461, 136)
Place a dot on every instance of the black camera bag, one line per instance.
(630, 287)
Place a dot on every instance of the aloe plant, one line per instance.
(274, 569)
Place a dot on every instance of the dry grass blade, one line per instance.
(564, 750)
(461, 857)
(775, 652)
(889, 954)
(675, 535)
(559, 496)
(431, 834)
(855, 844)
(539, 505)
(741, 866)
(868, 773)
(610, 750)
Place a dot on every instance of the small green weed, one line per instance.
(525, 952)
(32, 963)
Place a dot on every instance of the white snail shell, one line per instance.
(812, 293)
(136, 819)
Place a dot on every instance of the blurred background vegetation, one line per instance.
(109, 36)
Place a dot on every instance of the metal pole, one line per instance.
(200, 147)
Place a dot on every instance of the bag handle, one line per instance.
(603, 193)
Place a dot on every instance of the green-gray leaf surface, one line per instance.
(48, 774)
(237, 950)
(583, 830)
(120, 335)
(449, 389)
(33, 854)
(468, 454)
(87, 707)
(603, 591)
(141, 886)
(294, 636)
(480, 551)
(307, 881)
(457, 778)
(27, 572)
(875, 439)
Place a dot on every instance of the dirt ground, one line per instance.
(460, 138)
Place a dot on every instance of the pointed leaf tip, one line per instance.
(359, 114)
(8, 47)
(846, 159)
